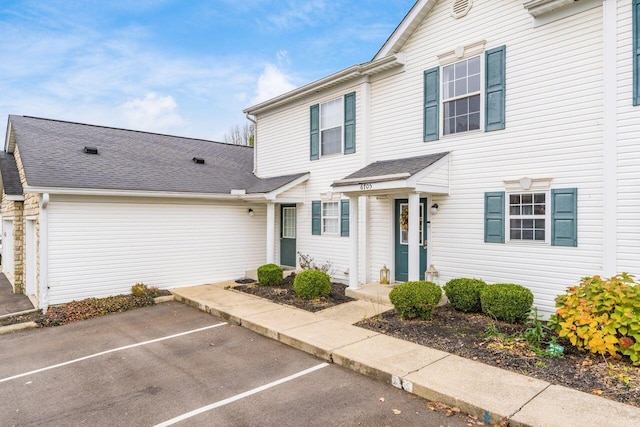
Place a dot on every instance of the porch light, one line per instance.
(250, 212)
(434, 208)
(384, 275)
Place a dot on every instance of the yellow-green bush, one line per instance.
(506, 301)
(464, 294)
(312, 284)
(602, 315)
(269, 275)
(415, 299)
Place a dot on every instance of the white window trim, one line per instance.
(337, 218)
(547, 218)
(481, 93)
(320, 128)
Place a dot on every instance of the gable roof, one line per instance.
(53, 156)
(10, 177)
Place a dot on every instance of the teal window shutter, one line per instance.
(344, 217)
(494, 217)
(316, 217)
(315, 132)
(636, 52)
(564, 217)
(350, 123)
(431, 103)
(495, 75)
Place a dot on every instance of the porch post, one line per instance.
(353, 243)
(414, 236)
(271, 232)
(364, 239)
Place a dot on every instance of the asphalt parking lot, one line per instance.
(171, 364)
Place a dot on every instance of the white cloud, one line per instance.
(271, 83)
(153, 112)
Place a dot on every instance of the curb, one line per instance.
(167, 298)
(17, 327)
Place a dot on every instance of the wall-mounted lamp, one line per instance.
(434, 208)
(250, 212)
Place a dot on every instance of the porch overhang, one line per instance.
(423, 174)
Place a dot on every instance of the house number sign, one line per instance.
(366, 186)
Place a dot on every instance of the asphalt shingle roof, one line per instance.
(52, 154)
(410, 165)
(10, 177)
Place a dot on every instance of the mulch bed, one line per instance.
(284, 294)
(465, 335)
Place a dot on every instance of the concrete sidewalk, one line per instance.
(488, 392)
(11, 303)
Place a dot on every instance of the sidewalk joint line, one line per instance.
(528, 401)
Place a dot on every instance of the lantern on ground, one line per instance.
(384, 275)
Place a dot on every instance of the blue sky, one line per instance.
(180, 67)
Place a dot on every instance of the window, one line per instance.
(461, 96)
(331, 127)
(528, 216)
(330, 218)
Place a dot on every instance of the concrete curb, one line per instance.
(19, 313)
(17, 327)
(490, 393)
(166, 298)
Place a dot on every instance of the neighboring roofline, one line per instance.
(115, 128)
(129, 193)
(348, 74)
(274, 193)
(406, 28)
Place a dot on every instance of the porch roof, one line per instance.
(411, 174)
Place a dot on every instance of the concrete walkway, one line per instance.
(9, 302)
(488, 392)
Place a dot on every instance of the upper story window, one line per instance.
(461, 96)
(333, 127)
(331, 120)
(528, 216)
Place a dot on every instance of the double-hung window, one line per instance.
(528, 217)
(330, 218)
(461, 96)
(331, 120)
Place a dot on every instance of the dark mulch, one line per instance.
(284, 294)
(464, 334)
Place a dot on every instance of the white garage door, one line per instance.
(102, 248)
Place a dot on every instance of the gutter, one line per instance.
(130, 193)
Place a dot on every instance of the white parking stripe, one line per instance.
(102, 353)
(240, 396)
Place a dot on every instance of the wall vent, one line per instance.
(460, 8)
(198, 160)
(90, 150)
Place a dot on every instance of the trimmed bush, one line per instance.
(464, 294)
(602, 315)
(311, 284)
(269, 275)
(415, 299)
(506, 301)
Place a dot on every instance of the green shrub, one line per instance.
(602, 315)
(464, 294)
(506, 301)
(269, 275)
(415, 299)
(311, 284)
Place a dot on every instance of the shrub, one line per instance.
(269, 275)
(506, 301)
(464, 294)
(310, 284)
(415, 299)
(139, 290)
(602, 315)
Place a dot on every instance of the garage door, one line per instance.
(102, 248)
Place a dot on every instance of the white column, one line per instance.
(414, 237)
(353, 243)
(271, 232)
(364, 239)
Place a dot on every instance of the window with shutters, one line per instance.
(461, 91)
(528, 219)
(331, 120)
(330, 218)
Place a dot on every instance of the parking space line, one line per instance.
(102, 353)
(240, 396)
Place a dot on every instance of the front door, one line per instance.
(288, 235)
(402, 240)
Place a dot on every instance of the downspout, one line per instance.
(44, 253)
(255, 142)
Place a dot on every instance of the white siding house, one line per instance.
(528, 107)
